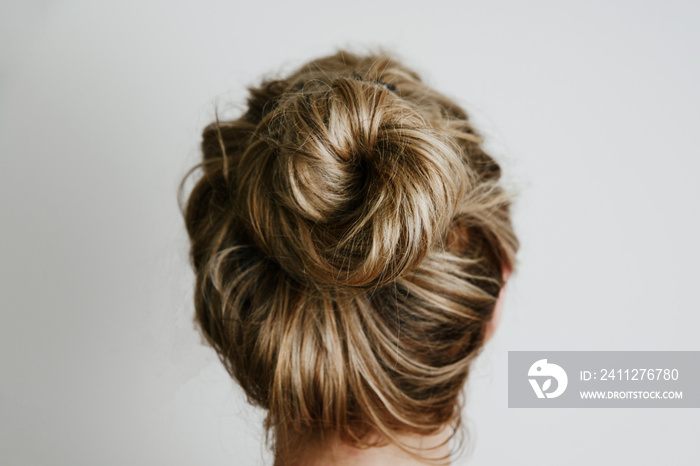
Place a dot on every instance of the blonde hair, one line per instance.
(348, 236)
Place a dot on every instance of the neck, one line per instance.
(334, 452)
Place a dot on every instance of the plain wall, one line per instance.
(591, 107)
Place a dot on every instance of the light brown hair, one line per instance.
(348, 236)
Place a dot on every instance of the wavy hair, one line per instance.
(348, 236)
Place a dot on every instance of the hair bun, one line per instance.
(345, 184)
(345, 175)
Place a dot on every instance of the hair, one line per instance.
(348, 236)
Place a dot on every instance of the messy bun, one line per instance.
(348, 237)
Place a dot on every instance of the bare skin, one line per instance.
(334, 452)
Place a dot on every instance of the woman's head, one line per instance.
(349, 238)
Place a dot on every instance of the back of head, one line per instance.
(348, 237)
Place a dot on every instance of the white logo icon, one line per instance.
(543, 369)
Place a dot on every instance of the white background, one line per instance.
(593, 108)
